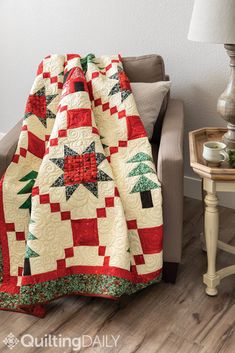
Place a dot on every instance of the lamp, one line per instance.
(213, 21)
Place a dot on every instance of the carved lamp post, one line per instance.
(213, 21)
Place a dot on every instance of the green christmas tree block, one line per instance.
(144, 184)
(30, 253)
(141, 169)
(31, 175)
(31, 236)
(103, 144)
(27, 204)
(88, 59)
(140, 157)
(27, 189)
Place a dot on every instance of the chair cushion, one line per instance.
(149, 98)
(146, 68)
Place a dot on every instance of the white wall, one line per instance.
(31, 29)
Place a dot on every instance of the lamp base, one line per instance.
(229, 137)
(226, 102)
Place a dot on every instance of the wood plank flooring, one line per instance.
(164, 318)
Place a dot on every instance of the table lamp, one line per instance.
(213, 21)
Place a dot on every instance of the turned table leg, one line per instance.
(211, 279)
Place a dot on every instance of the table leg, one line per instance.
(211, 279)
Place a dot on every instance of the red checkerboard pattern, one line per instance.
(101, 250)
(20, 271)
(20, 236)
(36, 146)
(53, 79)
(69, 252)
(139, 259)
(85, 232)
(78, 118)
(101, 212)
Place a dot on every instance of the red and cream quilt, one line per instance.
(80, 204)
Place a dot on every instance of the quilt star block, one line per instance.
(80, 169)
(38, 105)
(122, 86)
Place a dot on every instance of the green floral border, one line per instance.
(1, 265)
(93, 284)
(9, 301)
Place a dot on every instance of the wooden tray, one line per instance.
(199, 165)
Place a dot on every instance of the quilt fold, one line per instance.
(80, 203)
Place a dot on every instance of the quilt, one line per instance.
(80, 203)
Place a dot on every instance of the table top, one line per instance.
(196, 139)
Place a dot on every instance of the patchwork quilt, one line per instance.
(80, 203)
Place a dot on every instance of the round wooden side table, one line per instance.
(215, 179)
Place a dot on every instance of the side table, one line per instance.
(215, 179)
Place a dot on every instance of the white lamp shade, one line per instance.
(213, 21)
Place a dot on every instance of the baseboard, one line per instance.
(192, 188)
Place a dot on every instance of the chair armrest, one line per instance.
(171, 144)
(170, 173)
(8, 146)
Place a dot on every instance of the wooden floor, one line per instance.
(163, 319)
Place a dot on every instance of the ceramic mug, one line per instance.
(214, 152)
